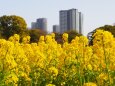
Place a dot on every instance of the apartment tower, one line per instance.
(70, 20)
(40, 23)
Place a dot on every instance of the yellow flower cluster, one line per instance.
(48, 63)
(53, 71)
(89, 84)
(50, 85)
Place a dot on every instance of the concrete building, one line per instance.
(56, 28)
(33, 25)
(80, 23)
(70, 20)
(63, 21)
(40, 23)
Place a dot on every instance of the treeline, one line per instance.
(10, 25)
(109, 28)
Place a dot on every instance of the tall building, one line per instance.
(63, 21)
(56, 28)
(40, 23)
(80, 23)
(70, 20)
(33, 25)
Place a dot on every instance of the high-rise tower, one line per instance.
(41, 23)
(56, 28)
(71, 20)
(80, 23)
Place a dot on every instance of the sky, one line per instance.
(96, 13)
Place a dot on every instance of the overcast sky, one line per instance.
(96, 12)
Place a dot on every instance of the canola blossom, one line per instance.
(48, 63)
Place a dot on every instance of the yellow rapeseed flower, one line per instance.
(53, 71)
(50, 85)
(89, 84)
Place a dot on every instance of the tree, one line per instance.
(10, 25)
(109, 28)
(72, 35)
(58, 38)
(35, 34)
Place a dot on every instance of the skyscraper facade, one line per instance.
(40, 23)
(80, 23)
(33, 25)
(56, 28)
(63, 21)
(70, 20)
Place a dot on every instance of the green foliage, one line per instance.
(10, 25)
(72, 35)
(58, 38)
(109, 28)
(35, 34)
